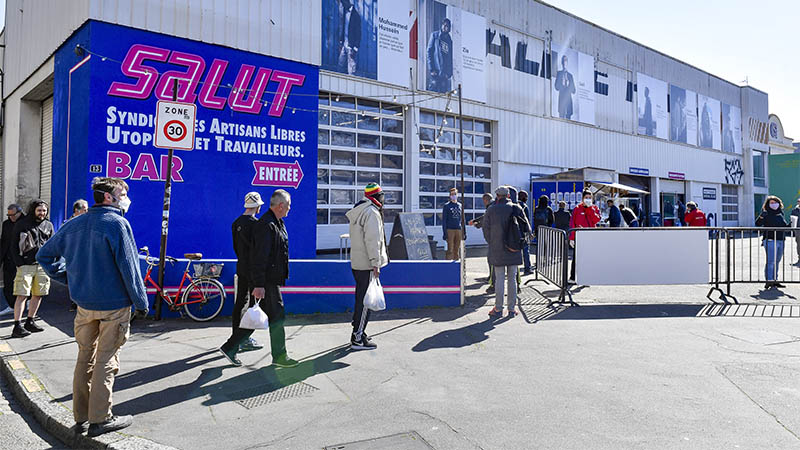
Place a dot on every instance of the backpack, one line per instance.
(540, 217)
(512, 238)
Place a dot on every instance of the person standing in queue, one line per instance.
(773, 241)
(13, 214)
(585, 215)
(367, 256)
(694, 217)
(30, 234)
(478, 223)
(614, 215)
(269, 270)
(526, 250)
(242, 231)
(562, 217)
(452, 233)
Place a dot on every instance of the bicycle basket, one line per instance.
(208, 270)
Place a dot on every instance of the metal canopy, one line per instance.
(614, 188)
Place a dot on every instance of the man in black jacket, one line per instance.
(14, 214)
(439, 58)
(562, 217)
(30, 234)
(269, 269)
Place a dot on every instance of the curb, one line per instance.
(53, 416)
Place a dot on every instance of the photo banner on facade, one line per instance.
(367, 38)
(452, 50)
(256, 130)
(573, 94)
(683, 115)
(709, 128)
(652, 106)
(731, 129)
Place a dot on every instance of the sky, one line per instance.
(732, 39)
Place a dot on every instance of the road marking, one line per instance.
(32, 385)
(16, 364)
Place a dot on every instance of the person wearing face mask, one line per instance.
(29, 236)
(694, 217)
(772, 217)
(585, 215)
(14, 214)
(451, 226)
(367, 256)
(96, 256)
(795, 217)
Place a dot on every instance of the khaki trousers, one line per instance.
(453, 245)
(99, 335)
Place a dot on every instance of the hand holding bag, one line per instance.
(374, 300)
(254, 318)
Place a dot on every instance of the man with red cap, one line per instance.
(367, 256)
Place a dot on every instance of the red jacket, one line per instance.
(583, 217)
(695, 218)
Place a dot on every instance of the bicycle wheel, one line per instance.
(203, 299)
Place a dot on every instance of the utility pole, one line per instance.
(165, 219)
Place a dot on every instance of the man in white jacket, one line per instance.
(367, 256)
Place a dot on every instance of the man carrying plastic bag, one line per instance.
(367, 256)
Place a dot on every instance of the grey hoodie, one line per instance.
(367, 238)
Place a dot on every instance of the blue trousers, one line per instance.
(774, 249)
(526, 257)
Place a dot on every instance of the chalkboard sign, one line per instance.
(409, 238)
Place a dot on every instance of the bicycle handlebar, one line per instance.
(153, 261)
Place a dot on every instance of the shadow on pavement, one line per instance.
(633, 311)
(459, 337)
(772, 294)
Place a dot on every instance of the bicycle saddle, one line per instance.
(193, 256)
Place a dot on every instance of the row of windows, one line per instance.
(336, 216)
(730, 203)
(351, 196)
(361, 159)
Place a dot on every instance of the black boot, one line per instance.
(32, 327)
(19, 332)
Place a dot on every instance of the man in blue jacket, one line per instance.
(96, 256)
(439, 58)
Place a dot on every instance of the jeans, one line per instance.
(526, 257)
(508, 273)
(360, 314)
(774, 249)
(99, 335)
(272, 305)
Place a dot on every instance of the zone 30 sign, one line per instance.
(175, 125)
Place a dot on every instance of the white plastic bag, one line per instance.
(374, 299)
(254, 318)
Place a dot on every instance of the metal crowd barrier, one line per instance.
(552, 261)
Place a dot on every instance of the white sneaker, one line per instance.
(7, 312)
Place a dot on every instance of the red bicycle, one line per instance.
(203, 297)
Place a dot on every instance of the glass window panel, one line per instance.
(482, 126)
(439, 219)
(444, 185)
(322, 176)
(392, 143)
(343, 177)
(468, 202)
(391, 161)
(322, 197)
(467, 124)
(447, 137)
(392, 109)
(322, 216)
(468, 187)
(426, 134)
(487, 142)
(440, 201)
(445, 169)
(468, 171)
(467, 140)
(483, 188)
(368, 177)
(445, 153)
(483, 172)
(369, 141)
(467, 155)
(343, 119)
(343, 197)
(322, 156)
(427, 117)
(392, 179)
(428, 217)
(426, 151)
(427, 185)
(324, 117)
(483, 157)
(343, 102)
(368, 105)
(368, 159)
(338, 216)
(392, 125)
(368, 122)
(324, 137)
(448, 121)
(343, 138)
(390, 214)
(427, 168)
(427, 202)
(324, 98)
(341, 158)
(393, 197)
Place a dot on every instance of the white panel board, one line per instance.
(614, 257)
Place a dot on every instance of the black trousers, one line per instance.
(242, 300)
(360, 314)
(9, 273)
(272, 304)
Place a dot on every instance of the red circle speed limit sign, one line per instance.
(175, 130)
(175, 125)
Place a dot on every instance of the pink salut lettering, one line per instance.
(245, 95)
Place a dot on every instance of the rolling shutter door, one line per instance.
(46, 166)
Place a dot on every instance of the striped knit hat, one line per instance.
(372, 191)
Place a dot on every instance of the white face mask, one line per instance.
(774, 205)
(587, 202)
(453, 197)
(125, 204)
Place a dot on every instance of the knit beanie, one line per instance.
(371, 192)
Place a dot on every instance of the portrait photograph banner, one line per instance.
(573, 85)
(683, 115)
(652, 106)
(709, 128)
(731, 129)
(367, 38)
(452, 50)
